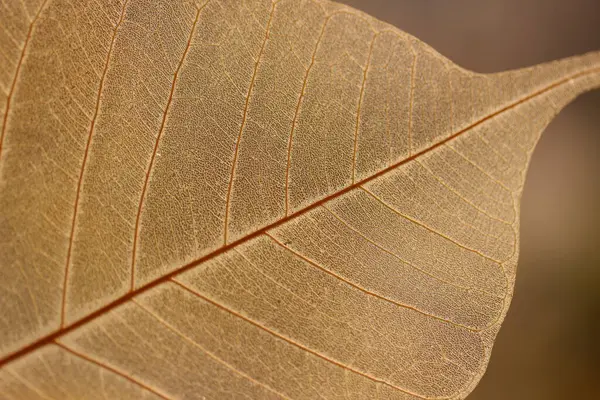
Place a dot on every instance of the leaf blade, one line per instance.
(541, 87)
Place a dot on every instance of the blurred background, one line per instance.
(549, 345)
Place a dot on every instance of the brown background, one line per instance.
(548, 347)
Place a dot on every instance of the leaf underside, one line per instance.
(254, 199)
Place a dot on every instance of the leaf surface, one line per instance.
(226, 199)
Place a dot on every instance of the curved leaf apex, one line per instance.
(563, 79)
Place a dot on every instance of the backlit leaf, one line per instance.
(259, 199)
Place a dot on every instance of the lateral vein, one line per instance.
(85, 158)
(157, 142)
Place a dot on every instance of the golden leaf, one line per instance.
(259, 199)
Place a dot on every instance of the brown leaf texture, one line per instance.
(256, 199)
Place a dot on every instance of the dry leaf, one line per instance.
(254, 199)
